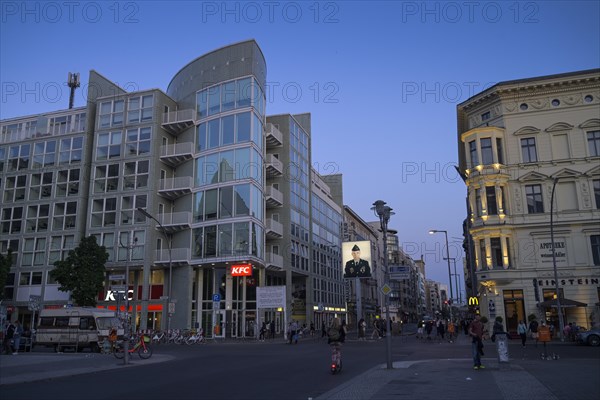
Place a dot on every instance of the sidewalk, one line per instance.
(28, 367)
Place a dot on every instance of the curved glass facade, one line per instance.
(229, 171)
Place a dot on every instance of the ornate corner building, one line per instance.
(517, 142)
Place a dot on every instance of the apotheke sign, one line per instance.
(545, 251)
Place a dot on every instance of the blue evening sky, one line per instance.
(381, 79)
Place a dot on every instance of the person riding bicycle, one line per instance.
(336, 335)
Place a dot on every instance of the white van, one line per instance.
(76, 327)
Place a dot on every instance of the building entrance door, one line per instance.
(219, 321)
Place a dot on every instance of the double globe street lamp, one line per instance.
(384, 213)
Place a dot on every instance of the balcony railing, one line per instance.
(274, 229)
(175, 222)
(176, 122)
(179, 256)
(173, 188)
(273, 165)
(274, 261)
(274, 198)
(273, 135)
(176, 154)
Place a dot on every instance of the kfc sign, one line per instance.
(241, 270)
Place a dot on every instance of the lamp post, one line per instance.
(561, 323)
(384, 213)
(456, 282)
(431, 232)
(162, 228)
(129, 248)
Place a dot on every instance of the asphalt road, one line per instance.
(275, 370)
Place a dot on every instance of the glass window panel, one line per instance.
(257, 132)
(210, 205)
(226, 202)
(242, 200)
(199, 207)
(240, 239)
(210, 241)
(214, 100)
(228, 96)
(244, 92)
(198, 235)
(201, 137)
(202, 103)
(487, 157)
(200, 177)
(225, 239)
(226, 166)
(213, 133)
(211, 168)
(228, 129)
(242, 163)
(243, 127)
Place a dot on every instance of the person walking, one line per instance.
(533, 328)
(376, 333)
(323, 330)
(263, 330)
(522, 331)
(476, 333)
(17, 337)
(8, 337)
(362, 327)
(312, 329)
(451, 331)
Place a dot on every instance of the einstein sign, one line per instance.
(544, 250)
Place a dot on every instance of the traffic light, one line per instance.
(536, 291)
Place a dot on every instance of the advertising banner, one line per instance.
(356, 257)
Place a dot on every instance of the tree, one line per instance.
(5, 264)
(82, 272)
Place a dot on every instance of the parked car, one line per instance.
(591, 337)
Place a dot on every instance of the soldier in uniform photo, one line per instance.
(357, 267)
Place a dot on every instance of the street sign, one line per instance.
(34, 302)
(120, 277)
(386, 289)
(216, 297)
(171, 308)
(399, 272)
(118, 288)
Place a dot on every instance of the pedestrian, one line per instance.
(8, 337)
(476, 332)
(451, 331)
(362, 327)
(343, 331)
(323, 330)
(376, 333)
(272, 328)
(440, 330)
(17, 337)
(533, 328)
(522, 331)
(263, 330)
(312, 329)
(294, 332)
(428, 329)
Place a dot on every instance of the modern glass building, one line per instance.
(197, 199)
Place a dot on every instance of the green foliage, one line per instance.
(5, 264)
(82, 272)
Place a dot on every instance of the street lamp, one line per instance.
(431, 232)
(162, 228)
(456, 282)
(384, 213)
(561, 323)
(129, 248)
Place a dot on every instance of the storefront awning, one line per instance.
(563, 303)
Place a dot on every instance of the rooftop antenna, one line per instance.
(73, 83)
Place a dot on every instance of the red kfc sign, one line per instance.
(241, 270)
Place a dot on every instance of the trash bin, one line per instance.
(502, 346)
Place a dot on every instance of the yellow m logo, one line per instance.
(473, 301)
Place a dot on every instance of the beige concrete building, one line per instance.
(520, 141)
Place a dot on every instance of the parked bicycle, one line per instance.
(159, 337)
(141, 346)
(196, 338)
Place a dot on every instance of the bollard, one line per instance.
(502, 347)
